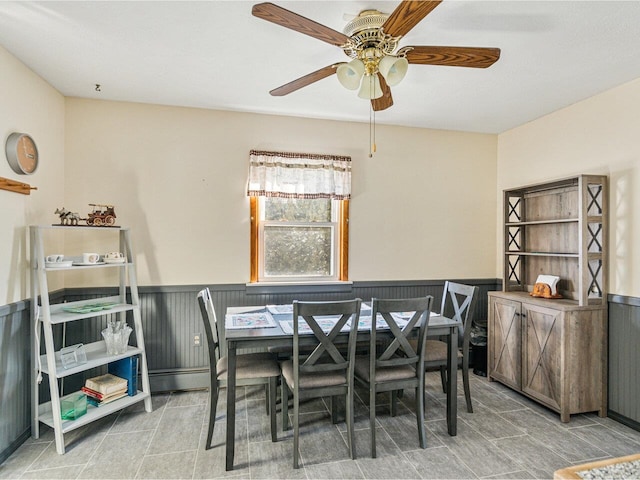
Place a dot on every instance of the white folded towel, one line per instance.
(551, 280)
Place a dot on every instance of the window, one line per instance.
(299, 216)
(298, 240)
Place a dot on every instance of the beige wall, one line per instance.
(426, 206)
(28, 104)
(423, 207)
(599, 135)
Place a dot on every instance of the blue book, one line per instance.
(126, 368)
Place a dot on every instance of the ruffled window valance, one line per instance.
(299, 175)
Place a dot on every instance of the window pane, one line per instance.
(302, 251)
(297, 210)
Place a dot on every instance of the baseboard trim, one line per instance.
(174, 380)
(624, 420)
(6, 453)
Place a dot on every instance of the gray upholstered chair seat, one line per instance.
(250, 365)
(437, 350)
(313, 380)
(383, 374)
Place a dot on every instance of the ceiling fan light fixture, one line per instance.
(393, 69)
(350, 74)
(370, 88)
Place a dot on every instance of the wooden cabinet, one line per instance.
(554, 350)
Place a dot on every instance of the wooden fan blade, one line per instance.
(385, 101)
(407, 15)
(304, 81)
(453, 56)
(281, 16)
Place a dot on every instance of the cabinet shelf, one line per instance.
(58, 315)
(544, 254)
(541, 222)
(96, 356)
(93, 413)
(86, 267)
(590, 219)
(102, 228)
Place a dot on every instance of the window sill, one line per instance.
(298, 287)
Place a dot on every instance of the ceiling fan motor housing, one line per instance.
(366, 33)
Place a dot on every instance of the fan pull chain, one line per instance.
(372, 129)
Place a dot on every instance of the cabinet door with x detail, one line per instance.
(542, 353)
(505, 329)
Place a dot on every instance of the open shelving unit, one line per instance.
(554, 350)
(559, 228)
(44, 316)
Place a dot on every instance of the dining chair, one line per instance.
(251, 368)
(458, 303)
(398, 364)
(326, 371)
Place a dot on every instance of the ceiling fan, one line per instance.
(371, 40)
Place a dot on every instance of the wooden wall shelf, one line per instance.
(13, 186)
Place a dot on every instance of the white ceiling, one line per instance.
(215, 54)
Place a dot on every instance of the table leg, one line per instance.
(452, 384)
(231, 403)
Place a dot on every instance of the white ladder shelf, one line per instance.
(44, 316)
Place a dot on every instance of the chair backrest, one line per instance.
(210, 325)
(325, 357)
(399, 351)
(458, 302)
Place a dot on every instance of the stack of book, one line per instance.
(104, 389)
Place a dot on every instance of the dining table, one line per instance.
(259, 327)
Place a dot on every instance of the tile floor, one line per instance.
(508, 436)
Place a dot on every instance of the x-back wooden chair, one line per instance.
(400, 363)
(251, 368)
(325, 372)
(458, 303)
